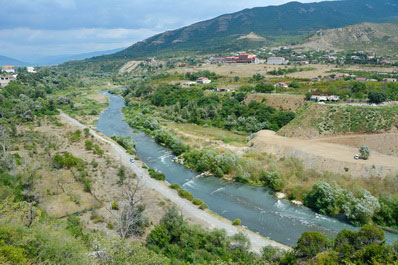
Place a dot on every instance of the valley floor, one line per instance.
(205, 218)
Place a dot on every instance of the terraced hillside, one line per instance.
(323, 120)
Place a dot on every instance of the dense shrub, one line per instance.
(358, 208)
(272, 180)
(377, 97)
(181, 242)
(156, 175)
(185, 194)
(311, 243)
(127, 142)
(67, 160)
(365, 152)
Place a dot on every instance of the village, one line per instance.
(9, 74)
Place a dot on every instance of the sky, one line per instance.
(55, 27)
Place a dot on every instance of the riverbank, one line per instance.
(206, 218)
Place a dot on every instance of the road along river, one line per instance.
(256, 207)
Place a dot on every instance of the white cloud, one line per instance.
(70, 26)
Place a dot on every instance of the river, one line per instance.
(256, 207)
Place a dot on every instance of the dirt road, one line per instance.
(325, 155)
(207, 219)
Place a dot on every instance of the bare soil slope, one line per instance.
(326, 156)
(371, 37)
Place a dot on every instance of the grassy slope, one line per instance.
(316, 120)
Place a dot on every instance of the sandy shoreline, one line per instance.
(190, 211)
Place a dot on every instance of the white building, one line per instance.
(276, 60)
(5, 80)
(203, 80)
(30, 69)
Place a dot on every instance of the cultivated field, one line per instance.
(248, 70)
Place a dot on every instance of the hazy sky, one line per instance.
(75, 26)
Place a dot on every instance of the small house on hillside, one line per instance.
(30, 69)
(361, 79)
(203, 80)
(5, 80)
(391, 80)
(281, 84)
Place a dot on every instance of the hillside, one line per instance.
(371, 37)
(326, 120)
(270, 25)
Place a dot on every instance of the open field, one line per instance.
(248, 70)
(326, 156)
(279, 101)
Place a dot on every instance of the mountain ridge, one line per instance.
(284, 23)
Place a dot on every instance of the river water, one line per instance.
(256, 207)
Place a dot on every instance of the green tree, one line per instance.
(365, 152)
(377, 97)
(311, 243)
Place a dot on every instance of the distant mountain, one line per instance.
(282, 24)
(58, 59)
(371, 37)
(4, 60)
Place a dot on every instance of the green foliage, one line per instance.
(121, 174)
(42, 243)
(236, 222)
(365, 152)
(175, 186)
(88, 145)
(127, 142)
(388, 214)
(121, 252)
(169, 139)
(75, 136)
(197, 201)
(192, 105)
(285, 71)
(310, 244)
(377, 97)
(324, 198)
(115, 206)
(358, 208)
(264, 88)
(67, 160)
(195, 75)
(272, 180)
(211, 160)
(181, 242)
(185, 194)
(156, 175)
